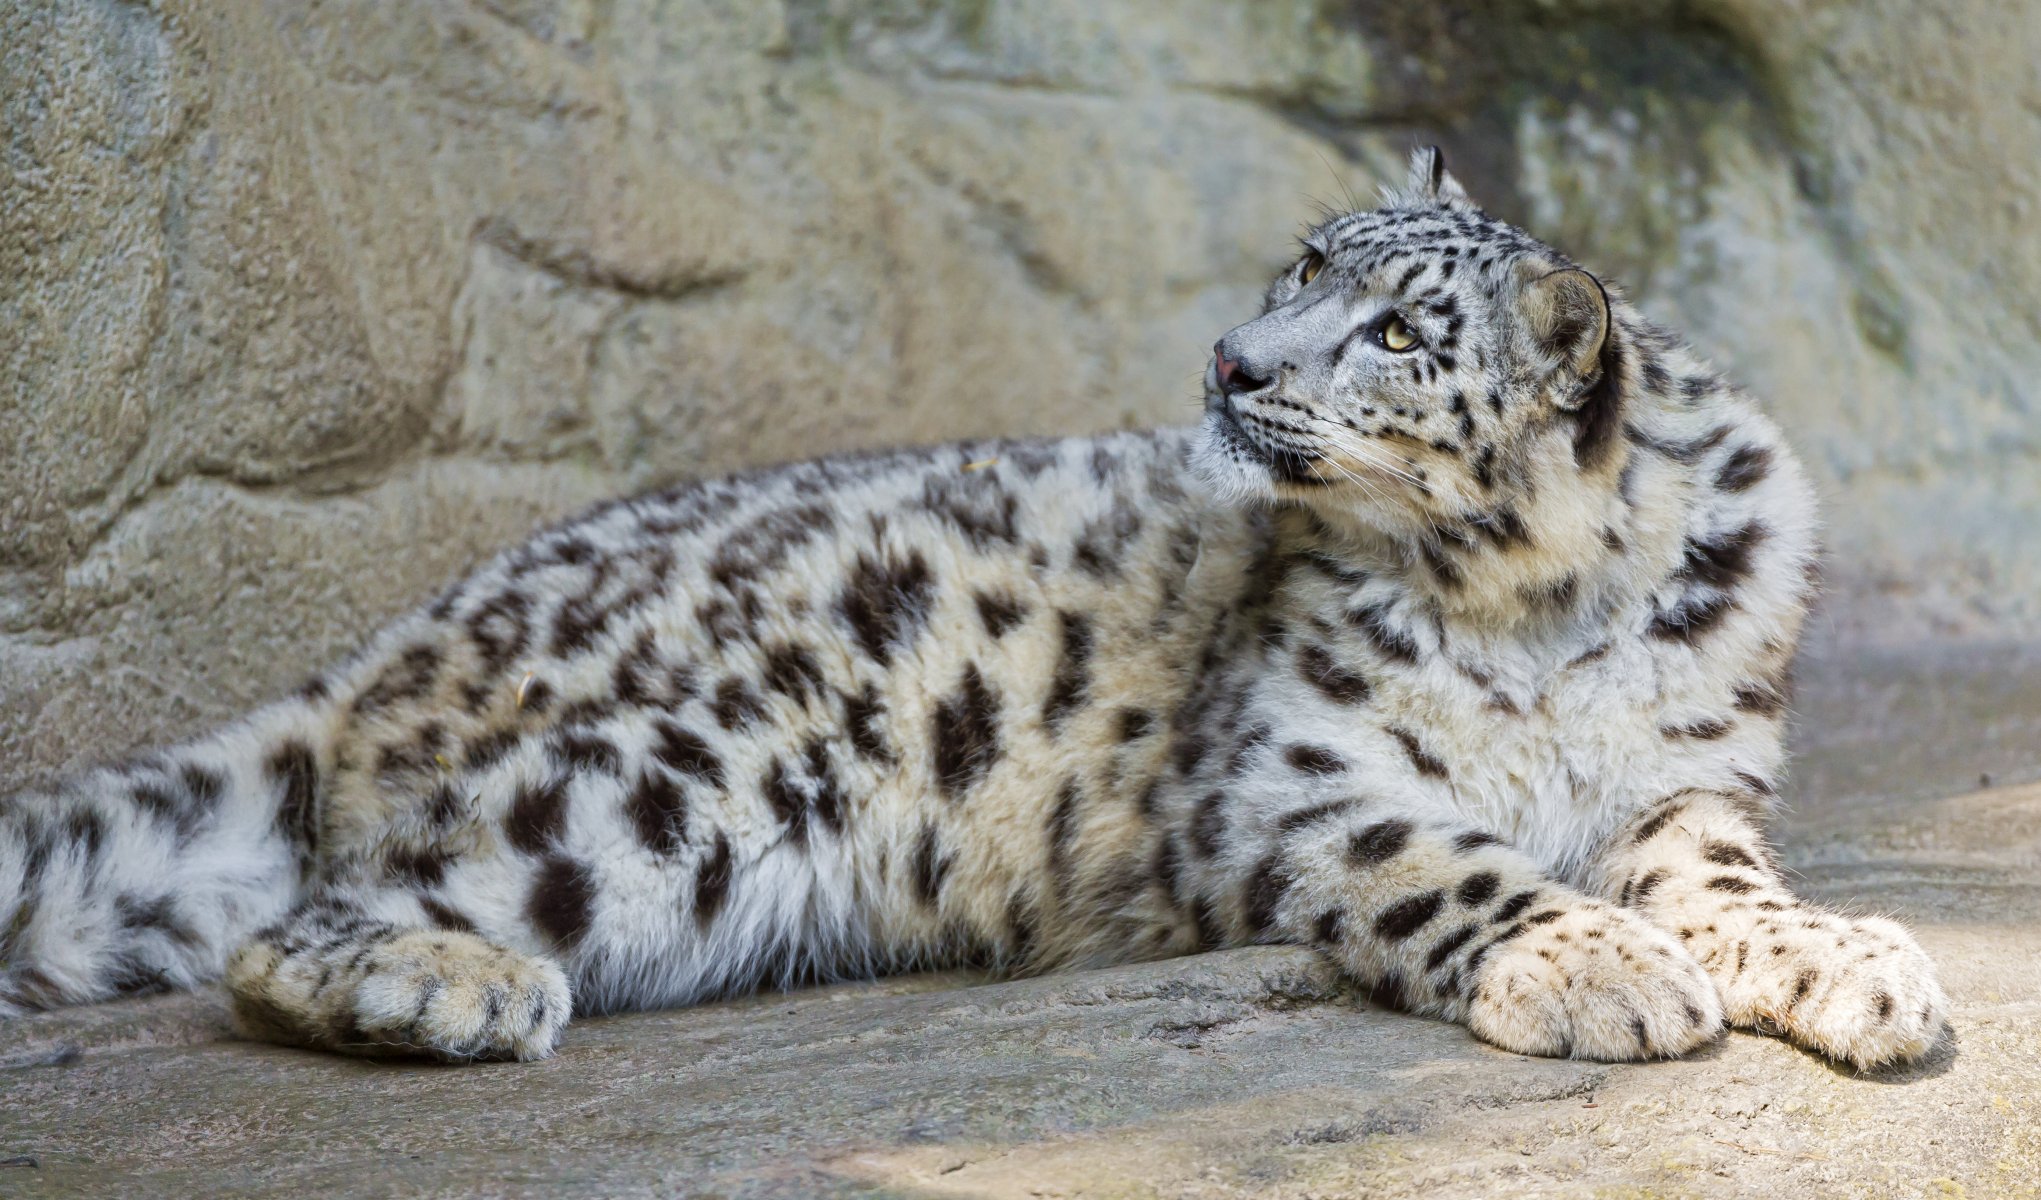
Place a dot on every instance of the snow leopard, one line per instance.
(1455, 640)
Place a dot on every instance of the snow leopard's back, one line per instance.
(810, 720)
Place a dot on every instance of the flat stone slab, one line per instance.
(1247, 1073)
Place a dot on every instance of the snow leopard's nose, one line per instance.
(1234, 376)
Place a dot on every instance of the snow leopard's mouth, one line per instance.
(1246, 440)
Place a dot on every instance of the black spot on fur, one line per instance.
(1208, 822)
(1656, 822)
(1298, 818)
(416, 866)
(408, 678)
(1690, 619)
(791, 670)
(293, 770)
(736, 705)
(1732, 884)
(537, 815)
(581, 751)
(1745, 469)
(1022, 927)
(1647, 885)
(444, 807)
(1205, 924)
(930, 867)
(974, 505)
(1803, 983)
(1134, 724)
(489, 749)
(686, 752)
(202, 785)
(1389, 641)
(658, 812)
(1388, 991)
(562, 902)
(999, 612)
(1146, 803)
(1378, 843)
(1727, 855)
(446, 916)
(1725, 561)
(538, 697)
(1253, 738)
(1484, 467)
(761, 544)
(87, 830)
(1762, 787)
(788, 802)
(1685, 452)
(1104, 541)
(1426, 764)
(825, 795)
(964, 730)
(630, 679)
(1479, 888)
(712, 882)
(1318, 668)
(1408, 915)
(886, 602)
(1442, 569)
(1063, 826)
(157, 914)
(1513, 906)
(862, 716)
(1313, 760)
(1072, 680)
(1474, 840)
(1449, 946)
(1266, 887)
(1701, 731)
(1759, 698)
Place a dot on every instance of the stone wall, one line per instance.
(304, 308)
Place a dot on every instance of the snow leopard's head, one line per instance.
(1417, 364)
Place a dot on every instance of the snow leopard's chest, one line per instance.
(1547, 744)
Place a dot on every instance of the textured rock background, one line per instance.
(306, 307)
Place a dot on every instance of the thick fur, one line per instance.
(1465, 662)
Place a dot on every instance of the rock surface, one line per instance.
(308, 308)
(1248, 1073)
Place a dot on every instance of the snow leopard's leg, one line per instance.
(1448, 922)
(1697, 864)
(386, 971)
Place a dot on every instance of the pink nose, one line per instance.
(1224, 366)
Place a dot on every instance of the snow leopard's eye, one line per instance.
(1397, 336)
(1309, 268)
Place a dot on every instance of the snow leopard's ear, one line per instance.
(1567, 312)
(1430, 182)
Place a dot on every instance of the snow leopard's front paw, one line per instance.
(1593, 982)
(1857, 989)
(456, 997)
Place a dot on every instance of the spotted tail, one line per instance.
(146, 876)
